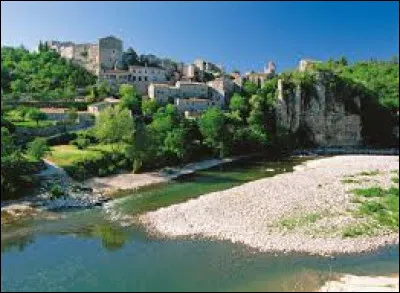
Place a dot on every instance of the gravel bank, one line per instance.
(350, 283)
(251, 213)
(134, 181)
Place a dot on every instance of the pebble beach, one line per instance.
(252, 213)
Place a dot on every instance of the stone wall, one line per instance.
(53, 130)
(318, 115)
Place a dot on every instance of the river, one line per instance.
(89, 250)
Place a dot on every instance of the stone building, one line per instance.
(193, 105)
(221, 89)
(96, 57)
(139, 76)
(164, 94)
(207, 66)
(96, 108)
(259, 78)
(194, 97)
(306, 64)
(189, 72)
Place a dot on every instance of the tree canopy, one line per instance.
(43, 74)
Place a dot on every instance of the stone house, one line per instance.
(139, 76)
(96, 108)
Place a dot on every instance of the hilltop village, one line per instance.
(192, 88)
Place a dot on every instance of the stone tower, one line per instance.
(270, 69)
(110, 51)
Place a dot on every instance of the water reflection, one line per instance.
(112, 236)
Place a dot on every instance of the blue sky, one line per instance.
(241, 35)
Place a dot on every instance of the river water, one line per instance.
(89, 250)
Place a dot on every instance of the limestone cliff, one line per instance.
(321, 112)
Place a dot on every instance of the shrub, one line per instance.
(56, 192)
(81, 143)
(37, 148)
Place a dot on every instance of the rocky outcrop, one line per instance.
(318, 113)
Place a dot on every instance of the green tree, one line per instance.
(129, 57)
(250, 88)
(12, 166)
(175, 142)
(256, 121)
(43, 74)
(38, 148)
(72, 115)
(149, 107)
(130, 99)
(114, 125)
(104, 89)
(18, 86)
(238, 104)
(141, 149)
(343, 61)
(212, 125)
(36, 115)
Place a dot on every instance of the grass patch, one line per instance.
(369, 192)
(395, 179)
(358, 230)
(33, 124)
(67, 155)
(351, 180)
(369, 173)
(381, 205)
(292, 223)
(95, 160)
(18, 121)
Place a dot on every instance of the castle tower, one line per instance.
(270, 69)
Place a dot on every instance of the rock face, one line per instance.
(319, 113)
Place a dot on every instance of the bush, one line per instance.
(105, 164)
(37, 148)
(56, 192)
(81, 143)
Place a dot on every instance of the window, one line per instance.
(133, 78)
(113, 51)
(139, 78)
(145, 71)
(145, 78)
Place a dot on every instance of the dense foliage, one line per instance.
(41, 75)
(16, 167)
(379, 77)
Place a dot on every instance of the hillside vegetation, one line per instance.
(42, 75)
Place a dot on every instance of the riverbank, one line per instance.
(132, 181)
(329, 151)
(95, 191)
(303, 211)
(351, 283)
